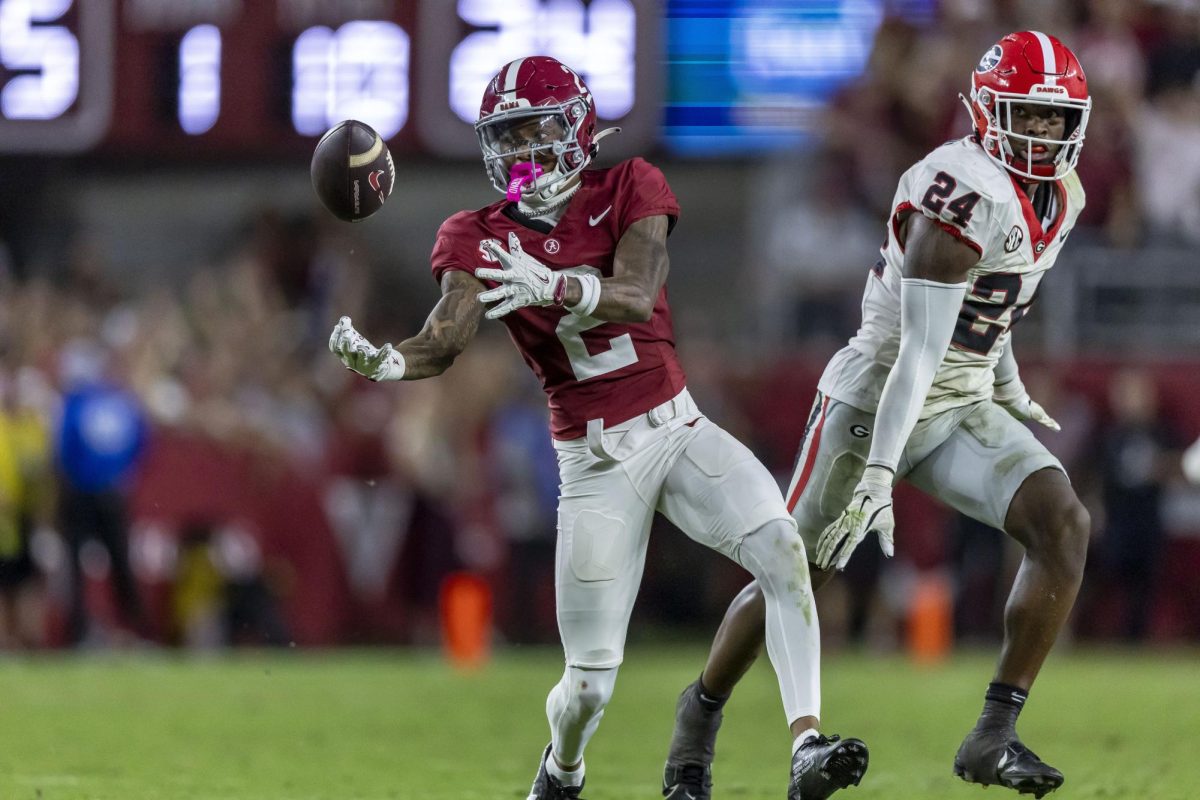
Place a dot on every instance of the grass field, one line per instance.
(399, 724)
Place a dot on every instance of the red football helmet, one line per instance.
(1029, 67)
(536, 110)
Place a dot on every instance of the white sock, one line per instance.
(811, 733)
(572, 778)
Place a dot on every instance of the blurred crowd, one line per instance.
(188, 466)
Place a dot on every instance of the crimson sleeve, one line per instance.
(645, 193)
(452, 249)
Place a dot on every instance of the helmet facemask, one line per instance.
(1015, 151)
(545, 139)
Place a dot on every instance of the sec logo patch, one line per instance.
(1015, 237)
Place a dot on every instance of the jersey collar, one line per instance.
(1039, 240)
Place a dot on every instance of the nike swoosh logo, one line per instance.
(594, 221)
(542, 278)
(1003, 760)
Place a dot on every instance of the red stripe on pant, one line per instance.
(809, 459)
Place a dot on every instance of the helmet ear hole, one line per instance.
(1073, 118)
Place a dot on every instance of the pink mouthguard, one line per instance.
(522, 173)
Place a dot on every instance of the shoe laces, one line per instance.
(563, 792)
(1018, 747)
(821, 740)
(695, 776)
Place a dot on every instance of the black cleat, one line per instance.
(548, 787)
(823, 765)
(991, 757)
(689, 782)
(688, 773)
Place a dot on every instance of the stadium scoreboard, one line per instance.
(190, 78)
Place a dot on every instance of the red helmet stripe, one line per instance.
(1049, 63)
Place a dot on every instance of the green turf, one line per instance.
(396, 724)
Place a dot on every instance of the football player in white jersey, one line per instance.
(928, 390)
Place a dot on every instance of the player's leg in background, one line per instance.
(721, 496)
(77, 518)
(112, 529)
(598, 567)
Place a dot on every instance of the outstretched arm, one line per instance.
(931, 295)
(447, 331)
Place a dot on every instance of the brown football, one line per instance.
(352, 170)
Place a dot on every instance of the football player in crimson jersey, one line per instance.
(574, 263)
(928, 390)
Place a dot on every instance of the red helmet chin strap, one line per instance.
(1025, 180)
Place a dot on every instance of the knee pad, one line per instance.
(582, 693)
(574, 709)
(589, 690)
(775, 546)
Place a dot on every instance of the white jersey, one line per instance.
(978, 202)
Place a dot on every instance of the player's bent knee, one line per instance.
(1056, 530)
(774, 551)
(1073, 531)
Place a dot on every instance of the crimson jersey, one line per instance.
(589, 368)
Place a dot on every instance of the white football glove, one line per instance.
(524, 281)
(1013, 398)
(870, 510)
(359, 355)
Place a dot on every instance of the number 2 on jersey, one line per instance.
(620, 353)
